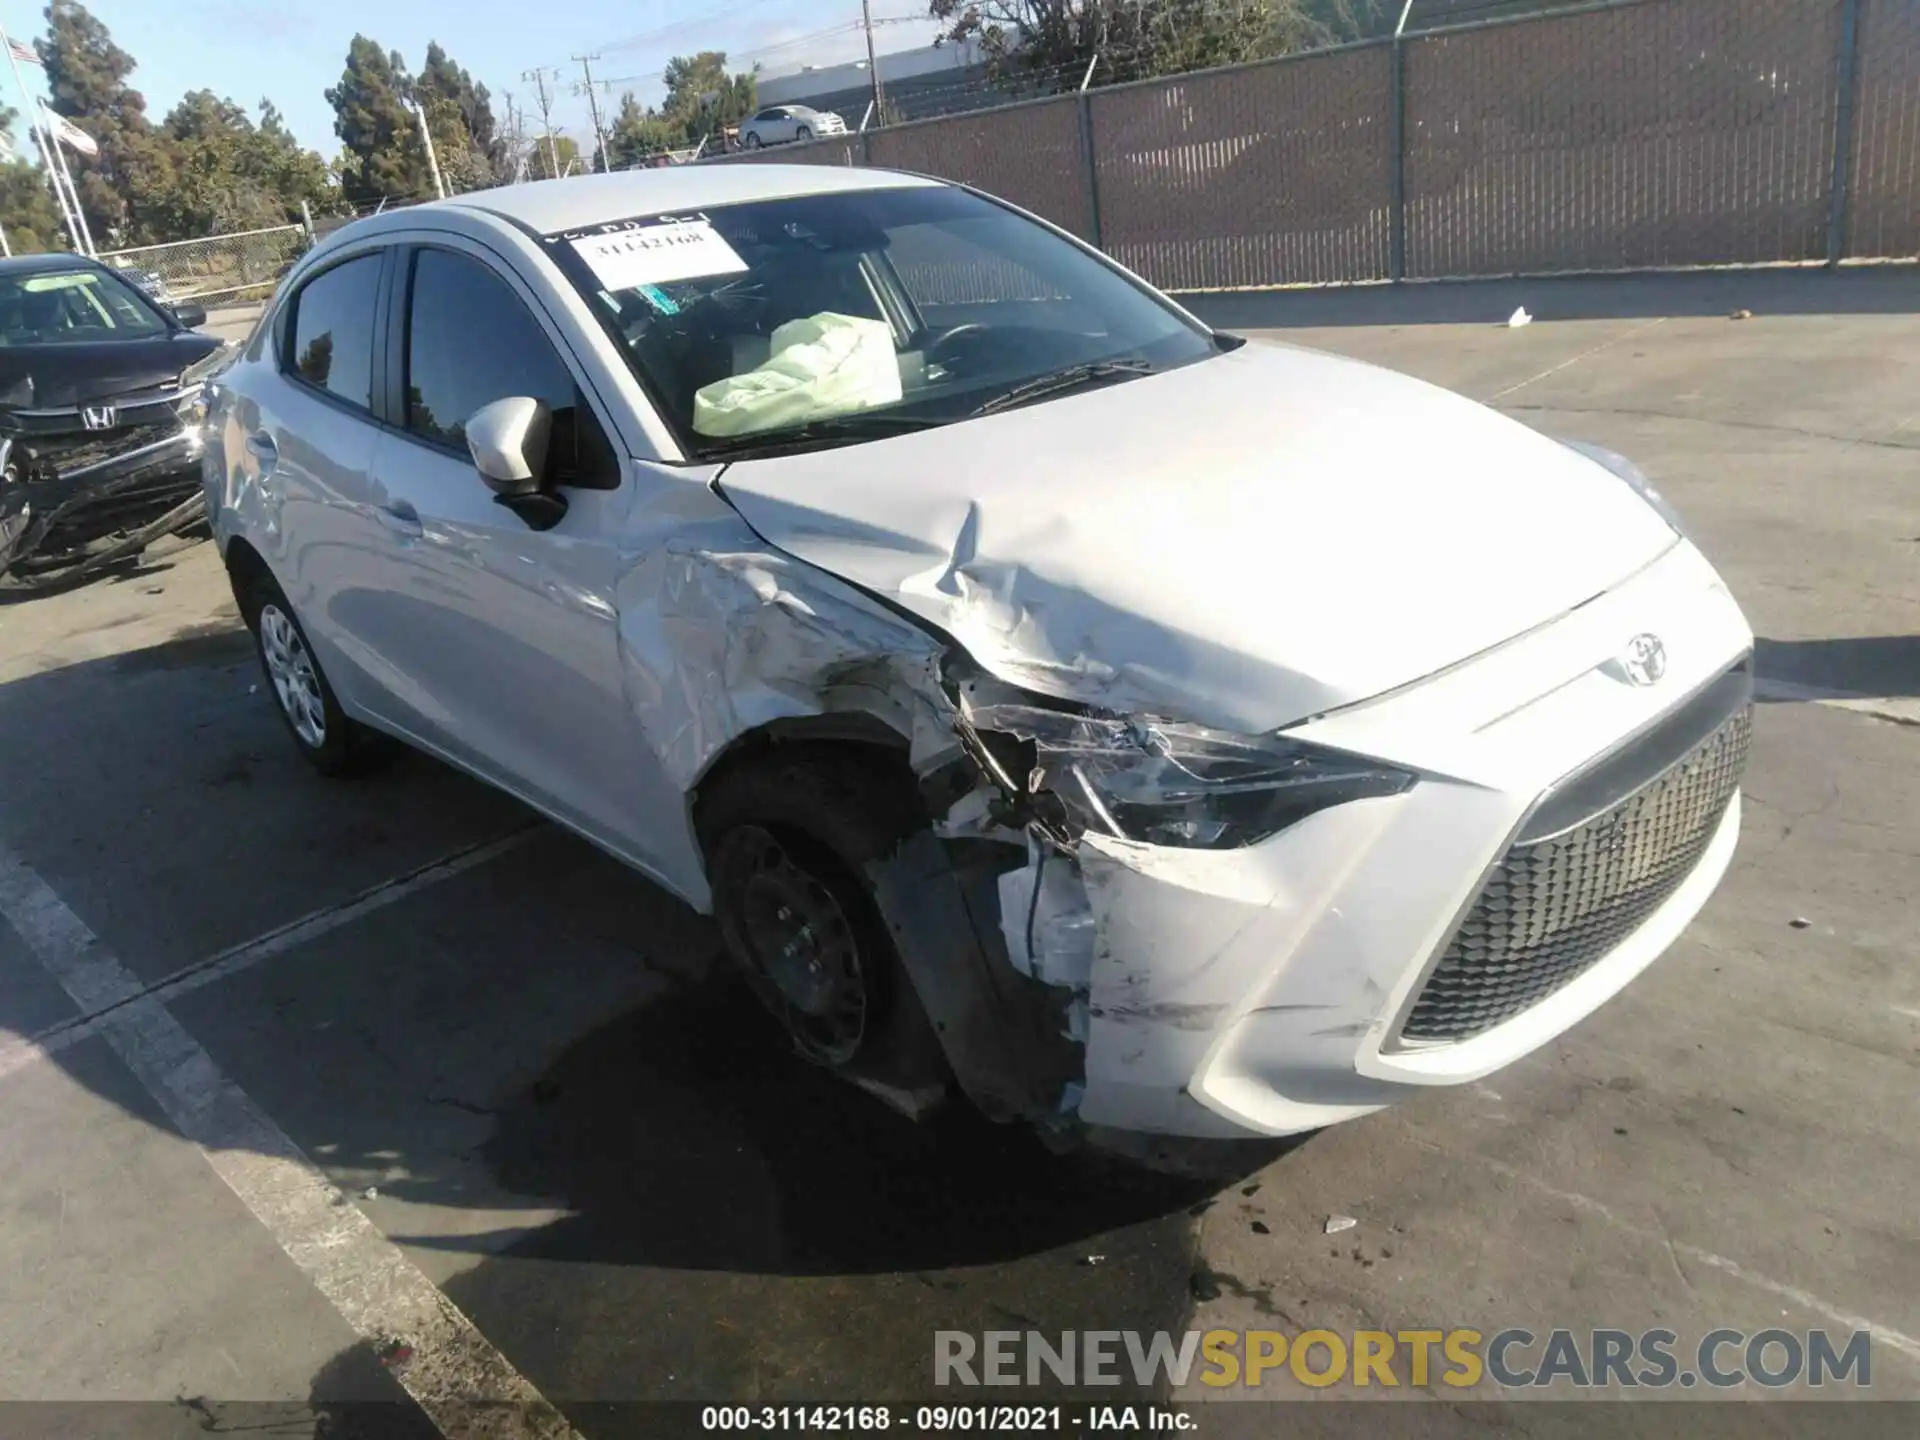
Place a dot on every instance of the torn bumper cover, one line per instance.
(71, 497)
(1248, 925)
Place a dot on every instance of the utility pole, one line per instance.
(593, 109)
(873, 65)
(426, 139)
(539, 78)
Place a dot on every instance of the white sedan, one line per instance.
(783, 124)
(1137, 729)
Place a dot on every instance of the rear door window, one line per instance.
(331, 337)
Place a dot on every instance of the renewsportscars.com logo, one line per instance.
(1513, 1358)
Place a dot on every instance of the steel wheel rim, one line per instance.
(295, 680)
(797, 945)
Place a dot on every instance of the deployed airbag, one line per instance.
(823, 365)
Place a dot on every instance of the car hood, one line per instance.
(1264, 535)
(75, 374)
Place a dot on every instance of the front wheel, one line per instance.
(802, 134)
(788, 843)
(750, 141)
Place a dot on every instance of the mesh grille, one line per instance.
(1553, 907)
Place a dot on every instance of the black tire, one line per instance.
(798, 829)
(332, 743)
(751, 140)
(801, 134)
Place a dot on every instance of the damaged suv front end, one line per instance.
(101, 427)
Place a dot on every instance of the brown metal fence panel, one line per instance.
(1673, 132)
(1263, 175)
(1883, 194)
(1029, 154)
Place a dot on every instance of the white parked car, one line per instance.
(782, 124)
(1135, 728)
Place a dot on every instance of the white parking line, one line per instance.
(465, 1386)
(27, 1050)
(1903, 1344)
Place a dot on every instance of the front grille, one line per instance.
(1556, 905)
(47, 455)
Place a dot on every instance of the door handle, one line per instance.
(260, 445)
(400, 517)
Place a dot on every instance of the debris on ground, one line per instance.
(1741, 315)
(1250, 1189)
(1205, 1287)
(395, 1352)
(1259, 1228)
(1092, 1259)
(1799, 922)
(372, 1192)
(1337, 1223)
(1518, 318)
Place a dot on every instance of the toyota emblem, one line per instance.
(1645, 660)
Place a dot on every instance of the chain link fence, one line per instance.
(244, 265)
(1616, 135)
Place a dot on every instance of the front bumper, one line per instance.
(45, 518)
(1268, 991)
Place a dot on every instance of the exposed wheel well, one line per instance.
(244, 566)
(857, 737)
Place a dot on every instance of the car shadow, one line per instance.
(1862, 290)
(1881, 666)
(536, 1079)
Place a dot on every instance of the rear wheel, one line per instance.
(332, 743)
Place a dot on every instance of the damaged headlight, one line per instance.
(1165, 783)
(1624, 469)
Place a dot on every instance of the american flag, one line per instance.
(25, 54)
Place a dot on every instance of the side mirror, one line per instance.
(190, 315)
(508, 442)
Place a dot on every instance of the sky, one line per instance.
(290, 52)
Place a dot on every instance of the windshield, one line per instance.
(72, 307)
(828, 319)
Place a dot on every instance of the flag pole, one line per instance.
(60, 155)
(46, 154)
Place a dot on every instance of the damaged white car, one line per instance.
(1130, 727)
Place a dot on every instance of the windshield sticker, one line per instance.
(659, 299)
(658, 255)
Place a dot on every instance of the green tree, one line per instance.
(1051, 42)
(381, 156)
(460, 115)
(565, 151)
(224, 172)
(636, 133)
(87, 81)
(702, 96)
(27, 210)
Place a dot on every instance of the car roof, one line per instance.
(546, 206)
(47, 261)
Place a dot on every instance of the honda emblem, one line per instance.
(99, 417)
